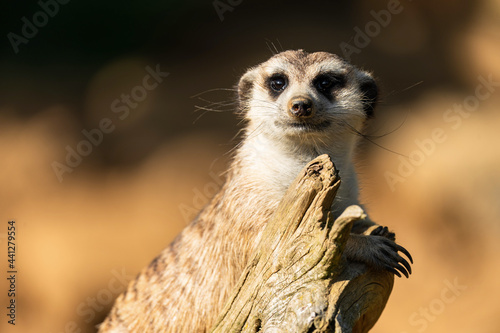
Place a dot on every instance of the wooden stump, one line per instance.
(298, 280)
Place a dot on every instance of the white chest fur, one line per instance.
(272, 166)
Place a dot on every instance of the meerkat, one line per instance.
(297, 106)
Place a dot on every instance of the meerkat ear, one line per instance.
(369, 89)
(245, 86)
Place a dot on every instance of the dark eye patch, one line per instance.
(326, 83)
(370, 95)
(277, 83)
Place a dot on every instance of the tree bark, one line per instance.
(298, 280)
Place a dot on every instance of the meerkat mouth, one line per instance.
(306, 126)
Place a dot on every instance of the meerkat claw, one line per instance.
(402, 270)
(392, 270)
(406, 253)
(406, 264)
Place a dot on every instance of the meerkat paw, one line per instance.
(379, 249)
(386, 252)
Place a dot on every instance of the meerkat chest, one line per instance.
(271, 169)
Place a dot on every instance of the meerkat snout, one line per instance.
(301, 107)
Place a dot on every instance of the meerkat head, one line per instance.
(310, 97)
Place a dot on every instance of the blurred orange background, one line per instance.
(83, 234)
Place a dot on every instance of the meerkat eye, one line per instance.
(327, 82)
(324, 83)
(278, 82)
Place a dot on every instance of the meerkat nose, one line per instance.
(301, 107)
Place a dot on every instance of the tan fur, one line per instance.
(186, 286)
